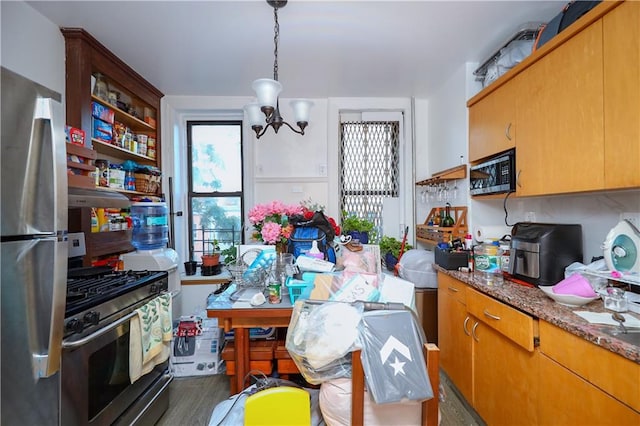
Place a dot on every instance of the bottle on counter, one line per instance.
(468, 241)
(505, 256)
(486, 258)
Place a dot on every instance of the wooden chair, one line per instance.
(260, 359)
(429, 407)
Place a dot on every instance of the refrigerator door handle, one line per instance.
(51, 112)
(46, 363)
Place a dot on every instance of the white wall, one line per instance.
(287, 166)
(32, 46)
(442, 141)
(446, 116)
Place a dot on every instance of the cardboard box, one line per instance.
(75, 136)
(102, 112)
(198, 355)
(102, 130)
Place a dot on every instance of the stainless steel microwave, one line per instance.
(494, 176)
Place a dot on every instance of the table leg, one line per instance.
(242, 356)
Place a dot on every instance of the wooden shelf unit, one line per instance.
(433, 235)
(458, 172)
(84, 58)
(82, 171)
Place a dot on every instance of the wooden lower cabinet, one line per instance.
(610, 377)
(505, 363)
(568, 399)
(454, 340)
(514, 369)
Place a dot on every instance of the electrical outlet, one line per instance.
(322, 170)
(634, 218)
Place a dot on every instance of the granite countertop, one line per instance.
(534, 302)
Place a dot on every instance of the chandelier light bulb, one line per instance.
(267, 91)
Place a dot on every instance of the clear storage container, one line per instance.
(150, 225)
(486, 258)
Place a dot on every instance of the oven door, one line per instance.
(96, 389)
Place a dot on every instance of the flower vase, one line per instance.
(281, 248)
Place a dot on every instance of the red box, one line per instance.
(75, 136)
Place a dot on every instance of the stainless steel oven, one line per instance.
(95, 384)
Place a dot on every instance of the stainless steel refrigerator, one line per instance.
(34, 250)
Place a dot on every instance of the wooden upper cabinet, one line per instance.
(559, 112)
(621, 29)
(86, 57)
(492, 126)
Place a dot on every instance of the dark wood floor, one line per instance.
(194, 398)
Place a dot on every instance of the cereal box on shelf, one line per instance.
(75, 136)
(102, 130)
(102, 112)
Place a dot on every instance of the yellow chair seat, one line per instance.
(279, 406)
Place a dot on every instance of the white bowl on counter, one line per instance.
(567, 299)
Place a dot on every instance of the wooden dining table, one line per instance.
(239, 316)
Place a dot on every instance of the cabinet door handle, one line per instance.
(507, 131)
(518, 179)
(495, 317)
(473, 332)
(453, 289)
(464, 326)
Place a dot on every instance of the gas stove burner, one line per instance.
(93, 289)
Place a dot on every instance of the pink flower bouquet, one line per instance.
(271, 221)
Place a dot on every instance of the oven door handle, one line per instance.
(77, 343)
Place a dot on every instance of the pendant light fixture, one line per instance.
(265, 112)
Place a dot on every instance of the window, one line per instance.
(215, 184)
(369, 167)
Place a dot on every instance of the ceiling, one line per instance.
(327, 48)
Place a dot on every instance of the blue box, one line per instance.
(102, 130)
(102, 112)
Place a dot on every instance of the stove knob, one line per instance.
(74, 325)
(154, 289)
(91, 317)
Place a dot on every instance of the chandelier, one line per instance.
(265, 112)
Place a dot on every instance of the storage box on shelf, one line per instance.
(80, 167)
(437, 234)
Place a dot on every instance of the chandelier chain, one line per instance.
(276, 39)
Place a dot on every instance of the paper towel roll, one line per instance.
(485, 233)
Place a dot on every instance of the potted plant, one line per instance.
(229, 254)
(359, 228)
(212, 257)
(390, 250)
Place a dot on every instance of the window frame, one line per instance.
(191, 194)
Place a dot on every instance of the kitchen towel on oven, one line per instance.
(150, 332)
